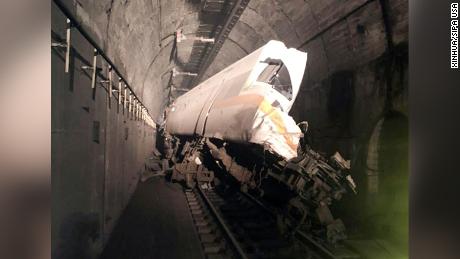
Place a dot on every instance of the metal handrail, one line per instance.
(75, 24)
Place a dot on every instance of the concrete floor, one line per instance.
(145, 231)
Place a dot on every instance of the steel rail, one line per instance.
(300, 235)
(305, 238)
(221, 222)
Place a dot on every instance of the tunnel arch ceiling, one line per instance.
(139, 35)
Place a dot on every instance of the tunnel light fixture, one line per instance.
(180, 36)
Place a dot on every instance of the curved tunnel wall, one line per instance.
(139, 35)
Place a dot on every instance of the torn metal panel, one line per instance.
(276, 130)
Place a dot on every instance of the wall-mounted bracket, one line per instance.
(58, 45)
(67, 52)
(180, 36)
(179, 89)
(125, 96)
(139, 111)
(110, 83)
(71, 22)
(119, 91)
(180, 73)
(93, 76)
(130, 103)
(65, 45)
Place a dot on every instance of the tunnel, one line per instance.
(119, 65)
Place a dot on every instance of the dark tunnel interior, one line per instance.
(119, 65)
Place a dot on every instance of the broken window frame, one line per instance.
(274, 74)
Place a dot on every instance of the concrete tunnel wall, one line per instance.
(338, 35)
(98, 152)
(346, 41)
(138, 36)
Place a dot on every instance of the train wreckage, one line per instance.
(234, 130)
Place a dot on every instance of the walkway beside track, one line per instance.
(156, 224)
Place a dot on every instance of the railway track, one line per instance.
(233, 225)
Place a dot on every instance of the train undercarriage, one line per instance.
(299, 191)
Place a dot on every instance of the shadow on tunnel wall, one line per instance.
(362, 113)
(340, 103)
(390, 204)
(380, 209)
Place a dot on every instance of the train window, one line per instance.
(277, 75)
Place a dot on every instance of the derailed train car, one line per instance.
(236, 124)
